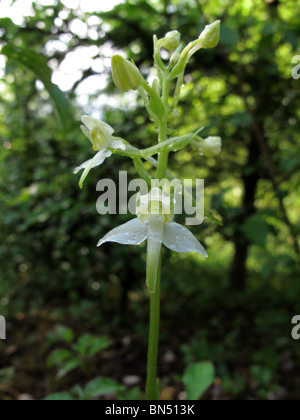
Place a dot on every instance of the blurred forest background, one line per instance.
(75, 312)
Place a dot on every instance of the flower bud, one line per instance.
(210, 36)
(171, 40)
(125, 74)
(210, 147)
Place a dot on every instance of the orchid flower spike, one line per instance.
(100, 135)
(155, 223)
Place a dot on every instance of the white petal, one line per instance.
(92, 123)
(97, 160)
(179, 239)
(131, 233)
(118, 144)
(87, 133)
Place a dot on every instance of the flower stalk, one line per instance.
(155, 211)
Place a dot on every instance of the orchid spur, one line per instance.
(155, 223)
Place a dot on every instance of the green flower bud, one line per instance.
(171, 40)
(210, 36)
(125, 74)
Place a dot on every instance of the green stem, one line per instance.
(152, 388)
(177, 93)
(164, 154)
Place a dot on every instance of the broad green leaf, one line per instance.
(60, 396)
(38, 64)
(102, 386)
(98, 344)
(197, 378)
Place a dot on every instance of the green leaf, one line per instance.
(99, 344)
(197, 378)
(38, 64)
(60, 396)
(83, 343)
(89, 345)
(69, 366)
(58, 356)
(262, 375)
(102, 386)
(66, 334)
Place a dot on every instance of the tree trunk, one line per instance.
(238, 270)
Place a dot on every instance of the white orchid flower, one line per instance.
(100, 135)
(155, 223)
(209, 147)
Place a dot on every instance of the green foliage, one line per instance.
(38, 64)
(95, 389)
(197, 378)
(256, 230)
(78, 354)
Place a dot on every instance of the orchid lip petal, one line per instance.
(97, 160)
(131, 233)
(179, 239)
